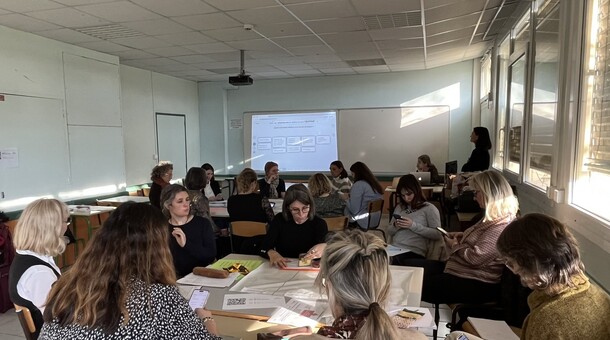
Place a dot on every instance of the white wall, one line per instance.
(219, 103)
(33, 67)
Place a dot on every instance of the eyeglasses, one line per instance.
(304, 210)
(69, 220)
(406, 193)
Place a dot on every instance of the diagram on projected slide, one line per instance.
(296, 141)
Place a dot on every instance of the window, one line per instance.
(485, 77)
(544, 97)
(516, 105)
(503, 55)
(592, 170)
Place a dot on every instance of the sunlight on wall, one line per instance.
(20, 202)
(413, 115)
(106, 189)
(449, 95)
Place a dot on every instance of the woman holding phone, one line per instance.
(414, 222)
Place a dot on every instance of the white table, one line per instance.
(116, 201)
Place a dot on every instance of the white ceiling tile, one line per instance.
(219, 65)
(368, 7)
(323, 10)
(25, 23)
(176, 7)
(141, 42)
(273, 74)
(327, 65)
(401, 53)
(225, 56)
(28, 5)
(464, 33)
(359, 47)
(341, 70)
(193, 59)
(67, 35)
(345, 38)
(336, 25)
(232, 34)
(172, 51)
(295, 67)
(320, 58)
(177, 68)
(104, 46)
(156, 26)
(282, 30)
(372, 69)
(412, 66)
(397, 33)
(159, 62)
(185, 38)
(281, 61)
(208, 21)
(4, 12)
(303, 40)
(360, 55)
(120, 11)
(214, 77)
(81, 2)
(258, 69)
(253, 45)
(69, 17)
(400, 44)
(453, 9)
(451, 24)
(304, 72)
(194, 72)
(260, 16)
(232, 5)
(268, 55)
(210, 48)
(134, 54)
(310, 50)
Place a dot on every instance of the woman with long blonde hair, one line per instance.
(123, 286)
(38, 238)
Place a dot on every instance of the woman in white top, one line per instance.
(38, 237)
(341, 183)
(212, 188)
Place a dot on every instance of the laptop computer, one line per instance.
(422, 177)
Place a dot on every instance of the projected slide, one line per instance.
(296, 141)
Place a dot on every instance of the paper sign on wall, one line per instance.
(9, 158)
(237, 123)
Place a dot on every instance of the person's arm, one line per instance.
(266, 206)
(216, 188)
(272, 235)
(201, 241)
(392, 228)
(478, 249)
(281, 188)
(354, 202)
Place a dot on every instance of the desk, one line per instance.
(219, 208)
(82, 218)
(116, 201)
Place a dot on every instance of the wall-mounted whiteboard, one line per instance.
(36, 127)
(389, 140)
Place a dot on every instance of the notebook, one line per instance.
(492, 329)
(422, 177)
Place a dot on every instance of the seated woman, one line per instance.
(38, 237)
(355, 273)
(479, 159)
(123, 286)
(418, 221)
(212, 188)
(161, 175)
(272, 186)
(295, 230)
(249, 205)
(195, 181)
(424, 164)
(472, 272)
(366, 188)
(193, 243)
(341, 183)
(328, 202)
(563, 304)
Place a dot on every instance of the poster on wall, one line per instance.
(236, 124)
(9, 158)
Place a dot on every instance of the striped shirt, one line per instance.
(475, 256)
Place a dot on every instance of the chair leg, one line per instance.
(437, 317)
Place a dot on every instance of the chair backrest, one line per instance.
(427, 192)
(338, 223)
(26, 321)
(248, 228)
(395, 181)
(146, 191)
(374, 208)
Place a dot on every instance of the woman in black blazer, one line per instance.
(212, 190)
(479, 159)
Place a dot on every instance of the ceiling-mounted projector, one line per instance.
(242, 78)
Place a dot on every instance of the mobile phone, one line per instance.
(443, 231)
(199, 298)
(397, 216)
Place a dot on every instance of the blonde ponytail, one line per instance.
(378, 325)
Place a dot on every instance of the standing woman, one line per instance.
(38, 237)
(418, 221)
(193, 243)
(479, 159)
(327, 201)
(295, 230)
(339, 179)
(212, 189)
(161, 175)
(424, 164)
(366, 188)
(272, 186)
(123, 286)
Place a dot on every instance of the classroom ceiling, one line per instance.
(200, 39)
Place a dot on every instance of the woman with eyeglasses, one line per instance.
(417, 223)
(295, 230)
(38, 238)
(161, 175)
(473, 270)
(193, 243)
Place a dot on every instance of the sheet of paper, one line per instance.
(426, 321)
(284, 316)
(226, 263)
(196, 280)
(393, 250)
(293, 264)
(493, 329)
(251, 301)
